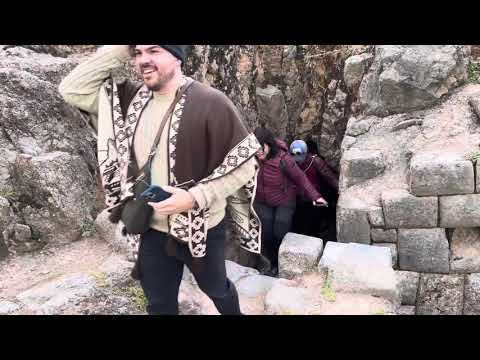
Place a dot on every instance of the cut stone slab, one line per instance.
(7, 307)
(352, 220)
(358, 166)
(235, 271)
(384, 236)
(287, 300)
(436, 173)
(362, 269)
(53, 297)
(460, 211)
(255, 285)
(423, 250)
(331, 254)
(440, 294)
(408, 286)
(465, 251)
(375, 216)
(298, 254)
(406, 310)
(403, 210)
(393, 252)
(472, 295)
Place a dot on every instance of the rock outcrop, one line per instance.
(47, 154)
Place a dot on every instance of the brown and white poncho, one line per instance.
(207, 140)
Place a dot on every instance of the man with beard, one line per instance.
(204, 143)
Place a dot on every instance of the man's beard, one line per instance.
(162, 81)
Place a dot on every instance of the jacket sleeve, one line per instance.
(82, 86)
(221, 188)
(300, 179)
(326, 173)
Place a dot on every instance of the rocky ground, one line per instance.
(88, 277)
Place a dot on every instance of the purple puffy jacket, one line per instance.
(271, 189)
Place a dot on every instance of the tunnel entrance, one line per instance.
(314, 221)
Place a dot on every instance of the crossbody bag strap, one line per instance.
(167, 116)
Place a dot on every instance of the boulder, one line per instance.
(403, 210)
(403, 78)
(408, 286)
(423, 250)
(59, 195)
(460, 211)
(47, 156)
(465, 250)
(331, 254)
(440, 173)
(472, 295)
(384, 236)
(440, 294)
(298, 254)
(355, 67)
(352, 220)
(358, 166)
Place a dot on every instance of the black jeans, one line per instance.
(276, 223)
(162, 274)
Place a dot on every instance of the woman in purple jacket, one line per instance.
(279, 180)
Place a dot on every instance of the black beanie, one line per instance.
(176, 50)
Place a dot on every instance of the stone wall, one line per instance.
(407, 178)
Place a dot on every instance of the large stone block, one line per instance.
(352, 221)
(465, 250)
(472, 295)
(460, 211)
(393, 252)
(408, 286)
(358, 166)
(298, 254)
(423, 250)
(375, 216)
(359, 268)
(441, 174)
(440, 294)
(384, 236)
(403, 210)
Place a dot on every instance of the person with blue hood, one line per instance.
(308, 218)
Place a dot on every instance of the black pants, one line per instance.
(276, 223)
(162, 274)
